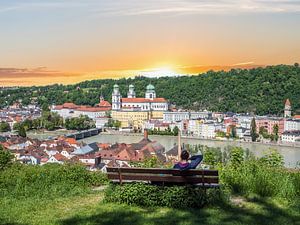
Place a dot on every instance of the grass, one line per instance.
(89, 209)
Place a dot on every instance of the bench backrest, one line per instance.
(163, 175)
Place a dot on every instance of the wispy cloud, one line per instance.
(153, 7)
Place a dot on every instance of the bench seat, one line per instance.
(204, 178)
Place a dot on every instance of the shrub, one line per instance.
(256, 177)
(272, 158)
(5, 158)
(152, 195)
(48, 180)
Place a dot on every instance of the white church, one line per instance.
(149, 103)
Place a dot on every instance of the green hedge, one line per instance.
(171, 196)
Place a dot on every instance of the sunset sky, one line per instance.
(66, 41)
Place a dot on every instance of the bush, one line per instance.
(256, 177)
(152, 195)
(5, 158)
(50, 180)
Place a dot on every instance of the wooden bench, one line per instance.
(205, 178)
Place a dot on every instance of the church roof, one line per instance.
(150, 87)
(287, 102)
(143, 100)
(104, 104)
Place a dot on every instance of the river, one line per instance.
(291, 154)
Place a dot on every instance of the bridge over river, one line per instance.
(84, 134)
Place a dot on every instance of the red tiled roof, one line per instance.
(59, 157)
(142, 100)
(71, 141)
(297, 117)
(104, 104)
(93, 109)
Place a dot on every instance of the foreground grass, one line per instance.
(90, 209)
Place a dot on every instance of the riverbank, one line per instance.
(198, 138)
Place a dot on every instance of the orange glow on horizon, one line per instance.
(43, 77)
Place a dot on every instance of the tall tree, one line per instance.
(4, 127)
(275, 132)
(22, 131)
(253, 132)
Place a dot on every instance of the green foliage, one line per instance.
(220, 134)
(150, 162)
(113, 123)
(22, 131)
(152, 195)
(48, 120)
(259, 90)
(168, 131)
(212, 156)
(4, 127)
(255, 177)
(52, 180)
(5, 158)
(253, 132)
(236, 156)
(275, 132)
(79, 123)
(272, 158)
(175, 131)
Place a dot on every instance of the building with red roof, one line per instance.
(70, 109)
(133, 111)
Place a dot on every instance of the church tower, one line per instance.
(150, 92)
(116, 98)
(131, 92)
(287, 109)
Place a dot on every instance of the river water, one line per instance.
(291, 154)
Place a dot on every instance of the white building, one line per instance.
(171, 117)
(208, 130)
(291, 124)
(244, 121)
(149, 103)
(69, 110)
(291, 136)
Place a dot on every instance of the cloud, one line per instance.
(157, 7)
(243, 63)
(183, 7)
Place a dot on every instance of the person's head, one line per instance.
(184, 155)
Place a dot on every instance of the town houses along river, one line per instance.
(291, 154)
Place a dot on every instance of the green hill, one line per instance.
(259, 90)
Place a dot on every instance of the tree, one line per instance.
(175, 131)
(117, 124)
(275, 132)
(5, 158)
(22, 132)
(253, 133)
(232, 131)
(4, 127)
(17, 126)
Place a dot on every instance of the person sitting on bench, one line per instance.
(184, 163)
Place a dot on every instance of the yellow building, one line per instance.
(135, 118)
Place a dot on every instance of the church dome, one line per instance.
(116, 86)
(150, 87)
(131, 86)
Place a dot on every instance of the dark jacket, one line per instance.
(195, 161)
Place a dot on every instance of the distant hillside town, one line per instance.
(149, 114)
(158, 116)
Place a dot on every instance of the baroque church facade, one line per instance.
(149, 103)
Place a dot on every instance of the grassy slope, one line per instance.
(89, 209)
